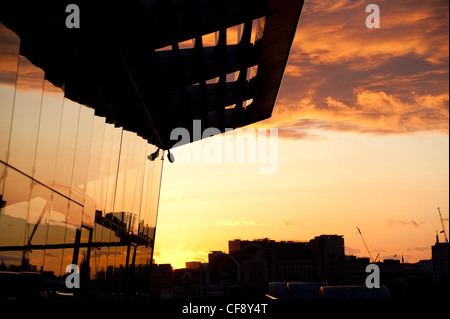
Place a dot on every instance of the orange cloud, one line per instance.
(236, 223)
(344, 77)
(371, 112)
(336, 33)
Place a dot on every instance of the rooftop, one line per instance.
(151, 66)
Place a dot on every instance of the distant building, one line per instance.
(193, 265)
(297, 270)
(267, 260)
(327, 251)
(439, 257)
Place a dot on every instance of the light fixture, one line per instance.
(154, 156)
(170, 157)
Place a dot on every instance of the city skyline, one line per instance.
(302, 271)
(362, 116)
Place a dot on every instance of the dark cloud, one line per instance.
(411, 223)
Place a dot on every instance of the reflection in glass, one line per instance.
(66, 147)
(213, 81)
(125, 155)
(233, 77)
(108, 172)
(56, 234)
(82, 154)
(166, 48)
(210, 40)
(13, 218)
(2, 184)
(74, 188)
(49, 128)
(252, 72)
(258, 29)
(9, 55)
(84, 252)
(95, 253)
(188, 44)
(93, 179)
(234, 34)
(72, 226)
(38, 218)
(25, 122)
(138, 174)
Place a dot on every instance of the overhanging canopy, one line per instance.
(151, 66)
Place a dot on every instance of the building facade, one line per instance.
(87, 110)
(440, 255)
(268, 260)
(327, 252)
(74, 189)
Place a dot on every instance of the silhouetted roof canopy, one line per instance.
(151, 66)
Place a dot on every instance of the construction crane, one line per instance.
(367, 248)
(443, 226)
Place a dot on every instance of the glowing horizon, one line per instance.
(363, 125)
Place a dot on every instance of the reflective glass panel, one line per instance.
(73, 224)
(234, 34)
(2, 185)
(233, 77)
(210, 40)
(137, 176)
(258, 29)
(107, 168)
(252, 72)
(9, 59)
(66, 147)
(38, 218)
(93, 180)
(83, 254)
(189, 44)
(13, 218)
(48, 136)
(56, 234)
(82, 154)
(95, 253)
(26, 114)
(121, 189)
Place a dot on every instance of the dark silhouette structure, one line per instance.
(154, 65)
(290, 270)
(81, 110)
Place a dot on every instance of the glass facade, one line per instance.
(73, 188)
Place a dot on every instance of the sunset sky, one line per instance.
(363, 117)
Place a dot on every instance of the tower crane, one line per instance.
(443, 226)
(367, 248)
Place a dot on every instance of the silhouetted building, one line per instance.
(439, 257)
(286, 270)
(267, 260)
(193, 265)
(327, 251)
(84, 113)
